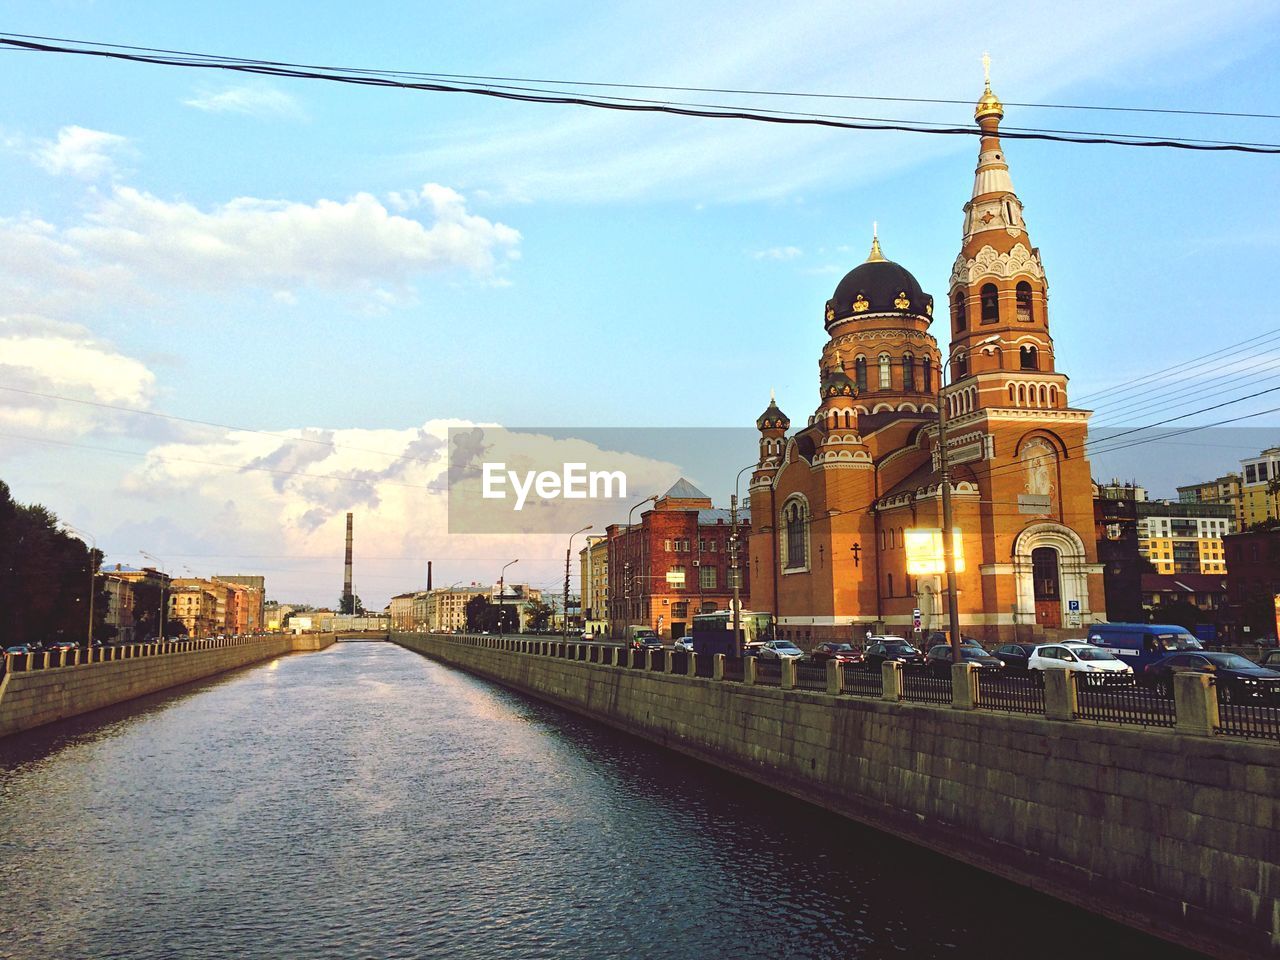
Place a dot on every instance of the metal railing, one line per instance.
(54, 659)
(921, 687)
(1015, 693)
(811, 676)
(768, 673)
(679, 661)
(1257, 717)
(732, 669)
(1116, 703)
(861, 682)
(705, 666)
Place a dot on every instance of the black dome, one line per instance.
(772, 417)
(878, 286)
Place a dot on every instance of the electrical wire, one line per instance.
(155, 56)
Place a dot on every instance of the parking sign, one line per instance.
(1073, 606)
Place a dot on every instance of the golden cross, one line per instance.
(986, 69)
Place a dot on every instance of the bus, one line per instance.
(713, 632)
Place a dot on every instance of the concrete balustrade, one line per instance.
(691, 665)
(835, 678)
(717, 667)
(964, 686)
(891, 681)
(749, 674)
(1059, 695)
(788, 677)
(1196, 698)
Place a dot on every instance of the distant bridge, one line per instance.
(361, 636)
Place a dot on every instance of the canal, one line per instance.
(367, 802)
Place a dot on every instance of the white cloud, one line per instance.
(80, 152)
(41, 356)
(255, 101)
(131, 246)
(778, 253)
(288, 496)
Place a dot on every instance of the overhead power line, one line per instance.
(393, 79)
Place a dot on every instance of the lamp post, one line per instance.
(502, 591)
(733, 559)
(626, 566)
(569, 550)
(164, 589)
(93, 575)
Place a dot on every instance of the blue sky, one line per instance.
(371, 265)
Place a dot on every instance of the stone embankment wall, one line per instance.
(32, 698)
(1177, 835)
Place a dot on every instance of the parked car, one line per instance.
(941, 657)
(685, 643)
(938, 637)
(646, 641)
(1238, 679)
(18, 649)
(831, 650)
(1101, 665)
(1014, 656)
(1270, 659)
(64, 645)
(779, 650)
(891, 648)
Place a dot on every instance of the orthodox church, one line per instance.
(835, 503)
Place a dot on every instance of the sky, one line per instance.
(234, 307)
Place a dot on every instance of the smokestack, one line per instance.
(347, 594)
(428, 575)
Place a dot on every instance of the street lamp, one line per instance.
(93, 574)
(626, 567)
(733, 559)
(164, 589)
(502, 590)
(567, 552)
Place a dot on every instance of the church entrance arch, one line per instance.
(1046, 586)
(1051, 570)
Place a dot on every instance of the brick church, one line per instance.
(834, 503)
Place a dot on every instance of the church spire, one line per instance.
(875, 256)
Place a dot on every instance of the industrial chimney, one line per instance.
(428, 576)
(348, 597)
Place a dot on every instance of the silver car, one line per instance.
(780, 650)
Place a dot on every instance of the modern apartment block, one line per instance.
(1260, 487)
(1184, 537)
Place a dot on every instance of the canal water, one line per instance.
(364, 802)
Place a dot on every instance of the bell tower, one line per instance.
(998, 294)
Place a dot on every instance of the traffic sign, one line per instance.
(915, 619)
(1073, 606)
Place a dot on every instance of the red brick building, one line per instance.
(677, 561)
(1253, 582)
(833, 504)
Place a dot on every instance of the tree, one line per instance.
(351, 605)
(478, 613)
(539, 616)
(1178, 612)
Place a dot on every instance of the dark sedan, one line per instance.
(1271, 659)
(901, 651)
(1014, 656)
(938, 637)
(941, 658)
(830, 650)
(1238, 680)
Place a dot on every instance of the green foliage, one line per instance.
(351, 605)
(539, 616)
(45, 577)
(483, 615)
(1178, 612)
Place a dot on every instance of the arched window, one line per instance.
(1013, 397)
(860, 373)
(958, 310)
(990, 303)
(908, 372)
(926, 374)
(1024, 301)
(886, 373)
(795, 521)
(962, 365)
(1029, 358)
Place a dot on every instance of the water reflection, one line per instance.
(366, 802)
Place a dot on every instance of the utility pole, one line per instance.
(733, 571)
(948, 526)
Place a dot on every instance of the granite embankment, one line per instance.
(1176, 834)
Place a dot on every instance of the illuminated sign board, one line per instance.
(926, 552)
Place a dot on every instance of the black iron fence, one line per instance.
(768, 672)
(1016, 692)
(861, 682)
(733, 669)
(705, 666)
(679, 661)
(811, 676)
(1114, 703)
(1241, 717)
(921, 687)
